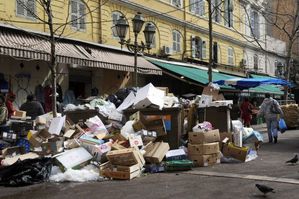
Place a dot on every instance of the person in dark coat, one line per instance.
(32, 107)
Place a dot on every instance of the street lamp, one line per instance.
(121, 27)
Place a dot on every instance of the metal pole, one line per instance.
(135, 60)
(210, 42)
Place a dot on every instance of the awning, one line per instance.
(34, 46)
(196, 73)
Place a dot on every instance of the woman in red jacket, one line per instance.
(246, 112)
(9, 104)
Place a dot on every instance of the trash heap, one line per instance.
(108, 145)
(291, 115)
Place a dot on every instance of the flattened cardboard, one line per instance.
(204, 137)
(211, 91)
(56, 125)
(203, 149)
(205, 160)
(74, 158)
(155, 152)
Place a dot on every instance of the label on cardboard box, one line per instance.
(135, 140)
(204, 137)
(203, 149)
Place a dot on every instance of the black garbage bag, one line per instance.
(26, 172)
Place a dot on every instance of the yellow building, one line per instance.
(86, 33)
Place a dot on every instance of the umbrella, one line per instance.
(245, 83)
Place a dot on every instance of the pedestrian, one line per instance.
(10, 98)
(3, 111)
(32, 107)
(246, 112)
(270, 109)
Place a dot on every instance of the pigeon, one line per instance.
(293, 160)
(264, 189)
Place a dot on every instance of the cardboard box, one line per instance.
(205, 160)
(36, 138)
(203, 149)
(211, 91)
(138, 126)
(126, 157)
(239, 153)
(56, 125)
(149, 95)
(119, 172)
(176, 154)
(155, 152)
(74, 158)
(19, 113)
(204, 137)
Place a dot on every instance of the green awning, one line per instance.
(196, 74)
(273, 89)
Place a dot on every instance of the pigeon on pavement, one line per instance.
(264, 189)
(293, 160)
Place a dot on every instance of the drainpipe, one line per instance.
(185, 33)
(100, 22)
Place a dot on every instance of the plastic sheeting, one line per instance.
(26, 172)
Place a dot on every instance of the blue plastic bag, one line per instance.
(282, 125)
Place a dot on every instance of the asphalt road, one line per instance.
(219, 181)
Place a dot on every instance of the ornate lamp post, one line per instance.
(121, 28)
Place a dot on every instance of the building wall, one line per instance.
(175, 20)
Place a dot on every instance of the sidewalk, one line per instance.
(262, 128)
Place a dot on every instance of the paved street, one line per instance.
(220, 181)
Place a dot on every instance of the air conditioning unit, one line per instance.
(243, 62)
(166, 50)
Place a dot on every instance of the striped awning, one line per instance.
(37, 47)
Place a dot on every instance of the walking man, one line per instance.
(270, 109)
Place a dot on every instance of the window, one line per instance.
(197, 7)
(216, 51)
(216, 10)
(176, 41)
(204, 50)
(228, 13)
(26, 8)
(230, 56)
(115, 16)
(177, 3)
(197, 47)
(255, 62)
(254, 24)
(78, 11)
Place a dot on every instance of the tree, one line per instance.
(283, 17)
(56, 30)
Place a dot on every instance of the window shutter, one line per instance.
(199, 47)
(178, 42)
(174, 41)
(74, 11)
(192, 5)
(201, 7)
(257, 24)
(215, 52)
(203, 50)
(20, 7)
(82, 16)
(192, 46)
(226, 10)
(30, 8)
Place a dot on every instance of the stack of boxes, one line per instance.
(203, 147)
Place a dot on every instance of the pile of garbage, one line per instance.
(291, 114)
(108, 145)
